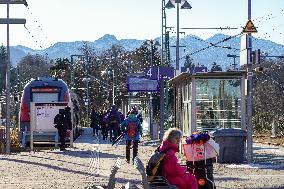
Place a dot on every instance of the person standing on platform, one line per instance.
(61, 126)
(67, 116)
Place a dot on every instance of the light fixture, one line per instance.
(185, 5)
(169, 5)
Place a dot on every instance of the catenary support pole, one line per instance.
(113, 86)
(162, 105)
(249, 97)
(8, 91)
(177, 40)
(151, 97)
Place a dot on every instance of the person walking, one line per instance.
(175, 173)
(103, 124)
(95, 122)
(113, 121)
(137, 112)
(131, 127)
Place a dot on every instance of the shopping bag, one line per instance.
(200, 151)
(194, 152)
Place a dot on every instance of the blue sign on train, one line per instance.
(195, 69)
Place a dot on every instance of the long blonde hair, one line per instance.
(171, 134)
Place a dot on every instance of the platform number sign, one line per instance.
(149, 73)
(158, 73)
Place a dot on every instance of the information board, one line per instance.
(43, 115)
(141, 84)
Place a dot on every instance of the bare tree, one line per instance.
(33, 66)
(268, 97)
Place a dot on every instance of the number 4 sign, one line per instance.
(157, 73)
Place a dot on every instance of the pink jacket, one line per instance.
(175, 173)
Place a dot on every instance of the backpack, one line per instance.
(155, 164)
(112, 119)
(131, 129)
(57, 121)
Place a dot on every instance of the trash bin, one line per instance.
(232, 145)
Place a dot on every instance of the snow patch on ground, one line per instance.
(254, 166)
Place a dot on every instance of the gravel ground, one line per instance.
(90, 161)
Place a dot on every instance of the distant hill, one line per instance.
(192, 43)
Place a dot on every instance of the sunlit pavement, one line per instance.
(89, 163)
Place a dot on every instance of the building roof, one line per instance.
(208, 75)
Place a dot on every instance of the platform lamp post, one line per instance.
(113, 86)
(72, 83)
(106, 73)
(9, 21)
(86, 99)
(109, 71)
(234, 57)
(184, 5)
(152, 44)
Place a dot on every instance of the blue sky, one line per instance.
(51, 21)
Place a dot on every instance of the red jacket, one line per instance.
(175, 173)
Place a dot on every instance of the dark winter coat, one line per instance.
(95, 119)
(62, 121)
(113, 117)
(67, 120)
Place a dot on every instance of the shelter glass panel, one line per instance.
(218, 103)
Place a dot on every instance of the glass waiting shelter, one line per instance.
(209, 101)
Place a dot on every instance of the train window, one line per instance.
(45, 97)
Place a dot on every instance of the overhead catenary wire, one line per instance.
(32, 36)
(259, 20)
(38, 25)
(215, 44)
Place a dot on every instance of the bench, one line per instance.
(51, 133)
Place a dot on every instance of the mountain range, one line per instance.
(203, 52)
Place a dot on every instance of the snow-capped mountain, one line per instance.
(203, 52)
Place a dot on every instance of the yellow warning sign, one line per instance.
(250, 28)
